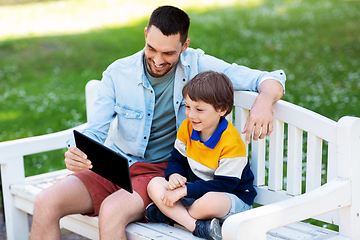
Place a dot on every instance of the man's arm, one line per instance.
(261, 116)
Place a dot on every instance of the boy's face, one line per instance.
(162, 53)
(203, 117)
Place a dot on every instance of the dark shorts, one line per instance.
(141, 173)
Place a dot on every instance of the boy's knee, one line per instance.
(156, 187)
(153, 184)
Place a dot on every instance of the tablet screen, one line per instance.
(106, 162)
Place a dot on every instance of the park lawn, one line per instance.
(317, 44)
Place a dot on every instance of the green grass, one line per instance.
(317, 43)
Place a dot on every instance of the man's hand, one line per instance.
(76, 160)
(170, 197)
(261, 117)
(176, 181)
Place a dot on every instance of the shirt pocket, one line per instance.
(129, 121)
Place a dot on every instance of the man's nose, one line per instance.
(158, 59)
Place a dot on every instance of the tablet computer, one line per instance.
(106, 162)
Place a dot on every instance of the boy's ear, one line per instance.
(222, 112)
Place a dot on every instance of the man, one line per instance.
(144, 92)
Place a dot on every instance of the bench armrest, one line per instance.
(31, 145)
(255, 223)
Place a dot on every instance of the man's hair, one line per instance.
(171, 21)
(211, 87)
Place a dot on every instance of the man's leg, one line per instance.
(117, 211)
(68, 196)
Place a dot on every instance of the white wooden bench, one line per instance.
(297, 145)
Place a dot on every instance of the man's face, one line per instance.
(162, 53)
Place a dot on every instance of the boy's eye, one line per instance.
(200, 110)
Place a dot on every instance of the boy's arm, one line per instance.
(177, 164)
(226, 179)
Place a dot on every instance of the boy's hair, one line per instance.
(211, 87)
(171, 21)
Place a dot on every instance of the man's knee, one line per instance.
(43, 200)
(121, 207)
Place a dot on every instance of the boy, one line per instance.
(208, 176)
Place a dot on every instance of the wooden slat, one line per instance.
(331, 162)
(294, 160)
(258, 153)
(298, 116)
(241, 116)
(276, 155)
(313, 162)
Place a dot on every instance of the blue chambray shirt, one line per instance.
(125, 92)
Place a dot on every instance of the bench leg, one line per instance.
(17, 224)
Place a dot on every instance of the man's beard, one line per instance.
(152, 73)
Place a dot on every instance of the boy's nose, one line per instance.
(191, 114)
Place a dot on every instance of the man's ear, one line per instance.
(185, 45)
(145, 32)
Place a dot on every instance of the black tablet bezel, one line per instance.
(106, 162)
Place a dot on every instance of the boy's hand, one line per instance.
(176, 181)
(170, 197)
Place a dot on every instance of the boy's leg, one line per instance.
(208, 209)
(68, 196)
(211, 205)
(156, 188)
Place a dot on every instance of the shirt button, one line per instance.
(149, 114)
(151, 91)
(145, 137)
(177, 102)
(184, 80)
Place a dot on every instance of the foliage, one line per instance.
(317, 44)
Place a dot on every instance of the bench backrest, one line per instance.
(304, 152)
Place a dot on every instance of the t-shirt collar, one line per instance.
(215, 138)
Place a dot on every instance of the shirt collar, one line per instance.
(215, 138)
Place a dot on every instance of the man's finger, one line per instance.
(77, 151)
(264, 131)
(247, 131)
(257, 132)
